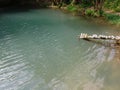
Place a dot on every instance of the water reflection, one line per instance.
(94, 73)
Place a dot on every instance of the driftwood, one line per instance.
(94, 36)
(102, 37)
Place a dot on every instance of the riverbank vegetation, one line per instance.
(109, 9)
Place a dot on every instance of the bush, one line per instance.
(71, 8)
(90, 12)
(114, 19)
(112, 4)
(101, 13)
(94, 13)
(117, 9)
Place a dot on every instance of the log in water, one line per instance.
(95, 36)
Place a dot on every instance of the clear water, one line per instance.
(39, 50)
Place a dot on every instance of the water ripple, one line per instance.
(13, 68)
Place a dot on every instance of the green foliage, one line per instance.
(112, 18)
(86, 5)
(113, 4)
(89, 12)
(101, 12)
(71, 8)
(94, 13)
(117, 9)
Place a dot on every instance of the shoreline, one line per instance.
(111, 18)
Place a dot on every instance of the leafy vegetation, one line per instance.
(112, 18)
(113, 4)
(90, 12)
(117, 9)
(72, 8)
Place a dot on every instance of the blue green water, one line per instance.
(40, 50)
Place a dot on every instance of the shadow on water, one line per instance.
(18, 9)
(105, 42)
(14, 10)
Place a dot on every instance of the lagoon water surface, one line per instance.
(39, 50)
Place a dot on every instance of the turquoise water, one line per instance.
(40, 50)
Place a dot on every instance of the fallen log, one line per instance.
(87, 37)
(95, 36)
